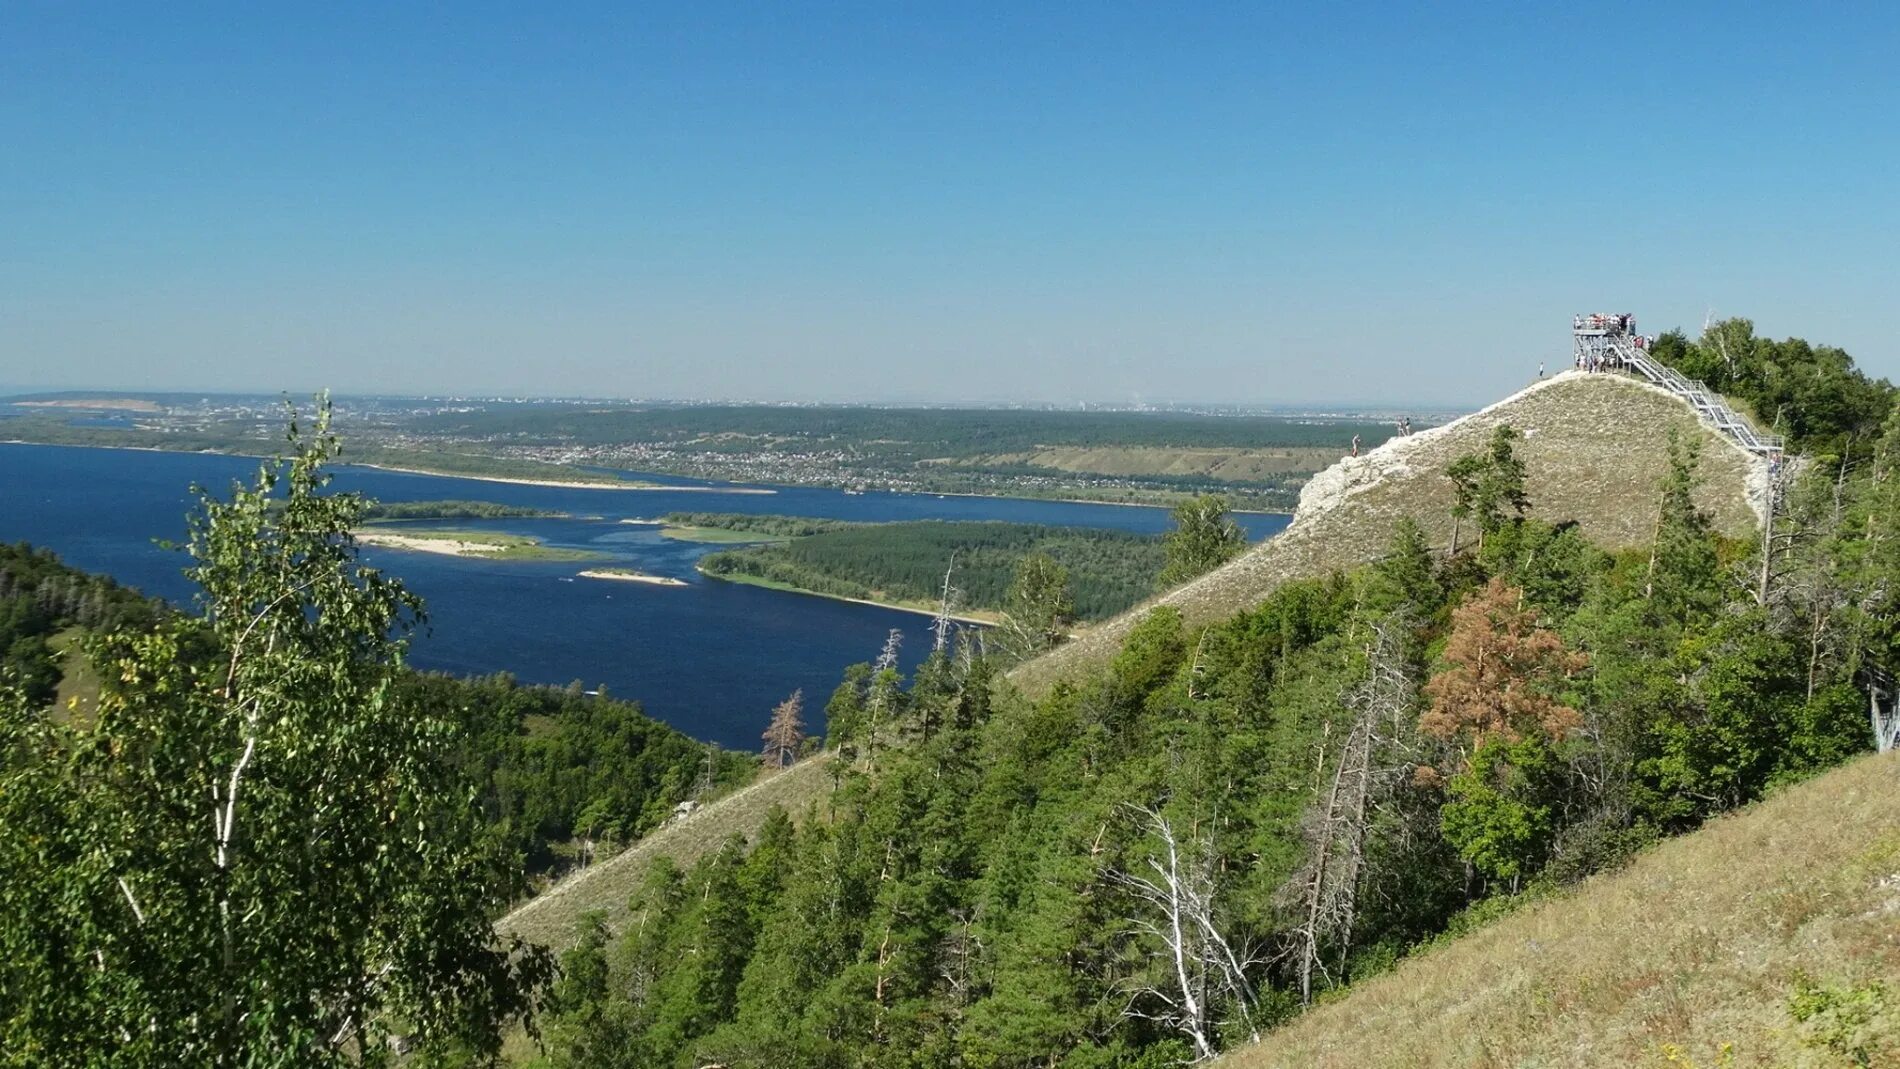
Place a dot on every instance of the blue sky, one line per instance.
(878, 201)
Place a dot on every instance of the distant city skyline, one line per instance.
(871, 204)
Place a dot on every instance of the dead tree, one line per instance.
(884, 685)
(787, 731)
(1201, 971)
(944, 623)
(1369, 764)
(1885, 718)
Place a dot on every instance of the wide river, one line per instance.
(710, 658)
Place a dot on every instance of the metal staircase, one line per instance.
(1610, 342)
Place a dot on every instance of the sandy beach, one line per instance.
(451, 547)
(631, 577)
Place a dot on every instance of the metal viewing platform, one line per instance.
(1609, 342)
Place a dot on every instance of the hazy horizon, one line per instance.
(1310, 207)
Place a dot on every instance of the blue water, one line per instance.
(711, 658)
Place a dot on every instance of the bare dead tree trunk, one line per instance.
(1328, 886)
(943, 623)
(1203, 970)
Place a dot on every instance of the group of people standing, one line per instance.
(1403, 425)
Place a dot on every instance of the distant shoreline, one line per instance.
(569, 484)
(566, 484)
(1077, 501)
(655, 486)
(747, 580)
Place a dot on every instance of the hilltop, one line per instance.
(1596, 450)
(1693, 947)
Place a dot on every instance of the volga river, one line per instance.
(711, 658)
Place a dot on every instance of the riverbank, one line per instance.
(985, 619)
(629, 576)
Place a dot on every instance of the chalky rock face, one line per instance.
(1595, 447)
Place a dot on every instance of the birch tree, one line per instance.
(252, 855)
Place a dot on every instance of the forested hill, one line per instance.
(1172, 853)
(1595, 447)
(1505, 657)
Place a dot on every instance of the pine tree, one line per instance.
(1041, 607)
(1489, 486)
(787, 731)
(1204, 538)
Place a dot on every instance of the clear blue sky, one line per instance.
(1167, 202)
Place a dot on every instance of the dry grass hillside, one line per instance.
(551, 918)
(1686, 958)
(1595, 447)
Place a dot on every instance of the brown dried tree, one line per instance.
(1500, 670)
(787, 731)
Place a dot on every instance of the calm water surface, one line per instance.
(711, 658)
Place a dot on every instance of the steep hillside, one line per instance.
(551, 917)
(1693, 948)
(1595, 446)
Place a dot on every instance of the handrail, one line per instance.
(1709, 405)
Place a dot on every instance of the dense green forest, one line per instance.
(1109, 570)
(1141, 868)
(776, 526)
(568, 776)
(451, 510)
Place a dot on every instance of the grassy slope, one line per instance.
(550, 917)
(78, 683)
(1596, 448)
(1691, 947)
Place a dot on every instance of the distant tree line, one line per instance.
(1811, 394)
(445, 510)
(778, 526)
(919, 433)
